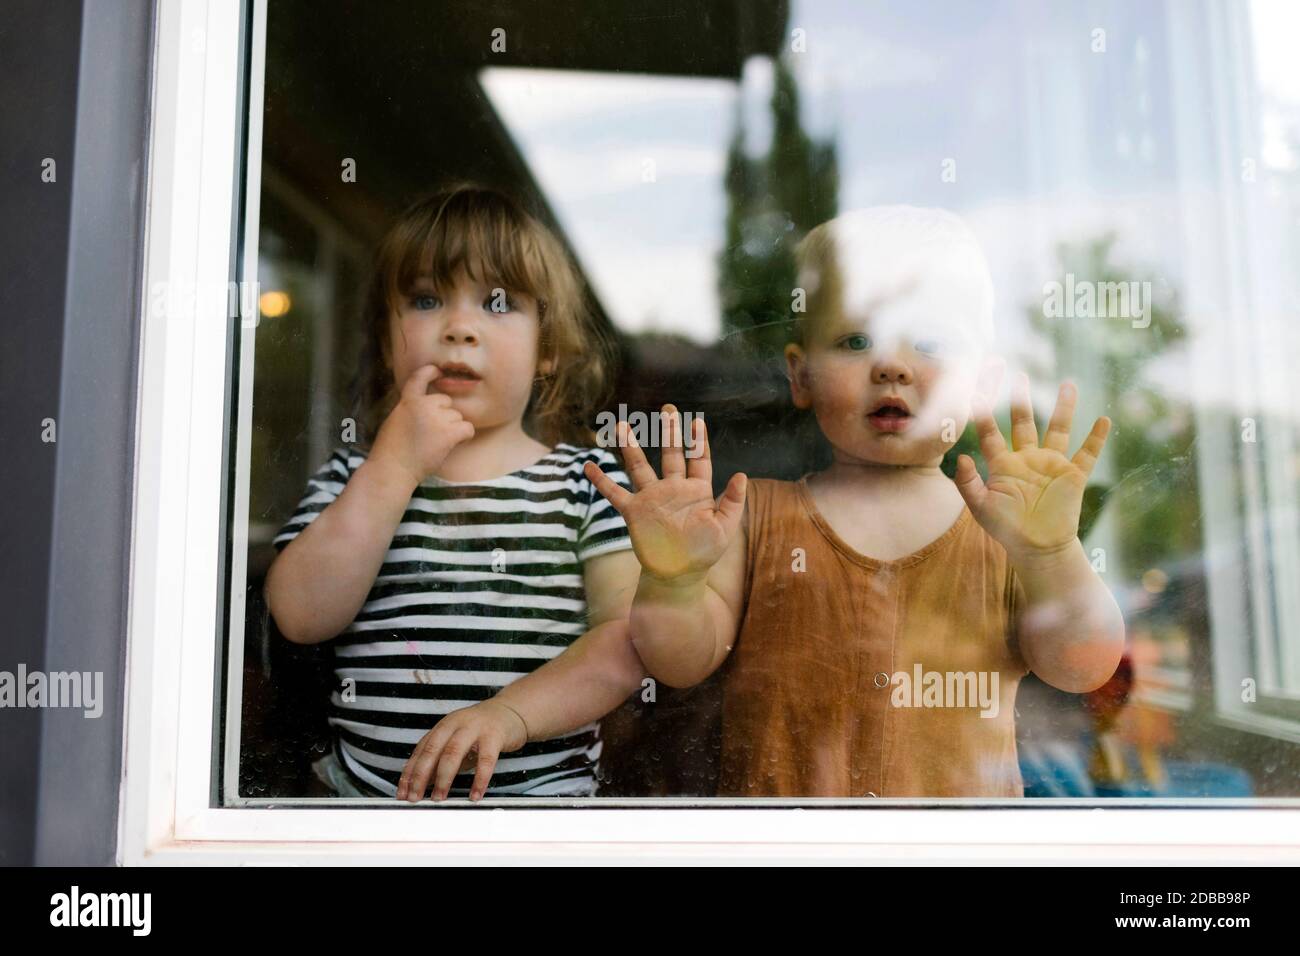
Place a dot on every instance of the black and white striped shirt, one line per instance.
(481, 585)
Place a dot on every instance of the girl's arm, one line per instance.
(594, 675)
(598, 671)
(317, 584)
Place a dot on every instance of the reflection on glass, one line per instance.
(1131, 175)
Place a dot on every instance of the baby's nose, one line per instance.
(890, 368)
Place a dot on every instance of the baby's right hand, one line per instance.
(677, 529)
(421, 429)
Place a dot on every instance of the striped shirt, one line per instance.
(482, 584)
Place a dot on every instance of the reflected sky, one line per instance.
(1053, 140)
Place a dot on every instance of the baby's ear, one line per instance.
(796, 370)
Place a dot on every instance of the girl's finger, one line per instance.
(614, 493)
(488, 752)
(638, 469)
(701, 465)
(422, 766)
(404, 784)
(1024, 433)
(992, 443)
(417, 385)
(673, 461)
(1057, 437)
(449, 762)
(1087, 455)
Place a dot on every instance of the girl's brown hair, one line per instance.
(493, 238)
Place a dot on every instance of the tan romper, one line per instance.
(813, 689)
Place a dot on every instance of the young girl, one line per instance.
(458, 546)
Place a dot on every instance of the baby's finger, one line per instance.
(970, 484)
(992, 443)
(417, 384)
(638, 469)
(449, 762)
(700, 464)
(673, 461)
(1024, 433)
(1087, 455)
(488, 751)
(1058, 429)
(732, 503)
(614, 493)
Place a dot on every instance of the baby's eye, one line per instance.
(424, 301)
(932, 345)
(501, 302)
(856, 343)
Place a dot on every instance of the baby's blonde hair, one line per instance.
(874, 250)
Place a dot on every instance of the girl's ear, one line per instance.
(796, 369)
(546, 366)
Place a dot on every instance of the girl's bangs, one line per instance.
(486, 241)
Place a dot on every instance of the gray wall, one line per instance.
(74, 86)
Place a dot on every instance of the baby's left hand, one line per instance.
(1034, 493)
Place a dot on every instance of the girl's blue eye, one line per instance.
(424, 302)
(856, 343)
(930, 346)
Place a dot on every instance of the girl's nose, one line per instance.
(460, 329)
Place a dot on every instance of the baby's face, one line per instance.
(890, 382)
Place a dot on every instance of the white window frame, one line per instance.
(167, 814)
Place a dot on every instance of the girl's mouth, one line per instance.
(456, 379)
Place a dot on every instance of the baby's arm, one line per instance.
(1071, 631)
(683, 629)
(594, 675)
(689, 598)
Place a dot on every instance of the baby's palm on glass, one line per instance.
(1031, 501)
(677, 528)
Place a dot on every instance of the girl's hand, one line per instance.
(1031, 502)
(677, 529)
(470, 738)
(421, 429)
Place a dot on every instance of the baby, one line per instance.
(874, 619)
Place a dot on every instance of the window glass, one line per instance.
(1128, 177)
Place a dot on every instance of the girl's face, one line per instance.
(892, 388)
(484, 340)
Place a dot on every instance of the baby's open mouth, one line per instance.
(890, 415)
